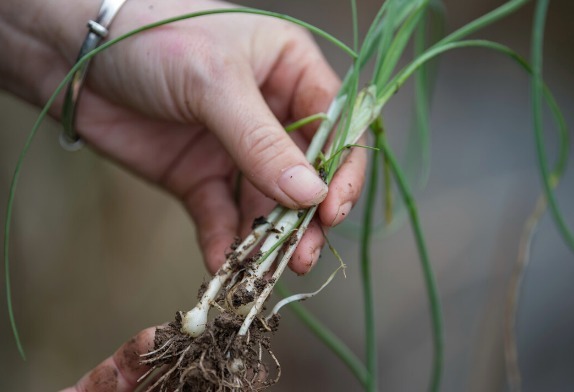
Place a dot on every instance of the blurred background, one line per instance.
(99, 255)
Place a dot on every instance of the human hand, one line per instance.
(121, 371)
(190, 105)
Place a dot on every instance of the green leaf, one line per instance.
(537, 97)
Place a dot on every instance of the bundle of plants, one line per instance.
(226, 349)
(224, 341)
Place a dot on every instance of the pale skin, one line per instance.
(187, 107)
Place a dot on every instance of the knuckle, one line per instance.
(262, 146)
(194, 65)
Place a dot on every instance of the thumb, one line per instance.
(239, 116)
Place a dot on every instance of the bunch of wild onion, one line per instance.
(393, 27)
(242, 279)
(279, 232)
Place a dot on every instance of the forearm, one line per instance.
(39, 39)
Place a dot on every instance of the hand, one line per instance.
(190, 105)
(121, 371)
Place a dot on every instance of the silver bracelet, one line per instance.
(98, 30)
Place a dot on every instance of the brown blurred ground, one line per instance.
(98, 255)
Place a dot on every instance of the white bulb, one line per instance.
(194, 321)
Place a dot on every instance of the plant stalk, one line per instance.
(432, 291)
(368, 303)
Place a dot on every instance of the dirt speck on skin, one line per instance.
(129, 359)
(217, 360)
(104, 378)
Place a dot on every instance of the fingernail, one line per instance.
(342, 213)
(303, 185)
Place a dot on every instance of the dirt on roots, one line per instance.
(217, 360)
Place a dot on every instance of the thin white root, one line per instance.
(303, 296)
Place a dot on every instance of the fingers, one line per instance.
(120, 372)
(252, 204)
(237, 113)
(212, 208)
(317, 87)
(344, 192)
(308, 250)
(301, 83)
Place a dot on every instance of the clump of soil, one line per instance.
(217, 360)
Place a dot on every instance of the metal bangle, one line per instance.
(98, 30)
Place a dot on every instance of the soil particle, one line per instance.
(253, 259)
(292, 239)
(242, 296)
(234, 263)
(260, 284)
(273, 322)
(235, 244)
(258, 222)
(323, 174)
(210, 361)
(202, 290)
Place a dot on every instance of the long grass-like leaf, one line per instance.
(483, 21)
(355, 22)
(539, 91)
(430, 283)
(416, 162)
(537, 99)
(397, 47)
(371, 351)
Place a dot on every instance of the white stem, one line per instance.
(325, 128)
(283, 226)
(258, 305)
(195, 321)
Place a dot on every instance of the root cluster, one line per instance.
(217, 360)
(232, 351)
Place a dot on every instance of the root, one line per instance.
(217, 360)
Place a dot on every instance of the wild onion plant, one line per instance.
(222, 343)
